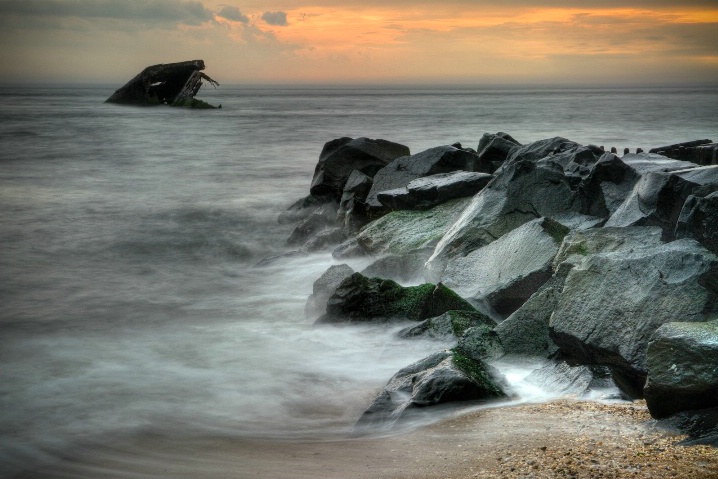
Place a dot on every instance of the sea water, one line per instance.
(131, 299)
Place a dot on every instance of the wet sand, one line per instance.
(555, 440)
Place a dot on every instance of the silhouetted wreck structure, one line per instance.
(173, 84)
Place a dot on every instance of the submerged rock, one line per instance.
(340, 157)
(362, 299)
(559, 377)
(682, 366)
(613, 302)
(444, 377)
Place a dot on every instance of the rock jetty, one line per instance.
(602, 268)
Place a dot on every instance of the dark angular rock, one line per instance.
(699, 220)
(362, 299)
(325, 239)
(682, 364)
(349, 249)
(613, 302)
(658, 198)
(480, 342)
(429, 191)
(324, 287)
(400, 172)
(340, 157)
(542, 150)
(441, 378)
(493, 149)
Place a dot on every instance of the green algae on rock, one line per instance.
(360, 299)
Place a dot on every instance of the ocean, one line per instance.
(131, 299)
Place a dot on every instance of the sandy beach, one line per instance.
(554, 440)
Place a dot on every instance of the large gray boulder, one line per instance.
(324, 287)
(526, 331)
(613, 302)
(342, 156)
(699, 220)
(505, 273)
(571, 156)
(658, 198)
(362, 299)
(400, 172)
(682, 364)
(322, 218)
(444, 377)
(520, 192)
(429, 191)
(562, 378)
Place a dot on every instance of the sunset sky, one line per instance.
(337, 41)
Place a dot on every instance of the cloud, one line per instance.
(233, 13)
(275, 18)
(169, 11)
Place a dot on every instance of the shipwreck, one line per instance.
(174, 84)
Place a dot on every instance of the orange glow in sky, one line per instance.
(456, 41)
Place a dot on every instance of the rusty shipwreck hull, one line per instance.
(173, 84)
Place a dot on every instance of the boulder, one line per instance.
(352, 207)
(429, 191)
(613, 302)
(450, 325)
(682, 365)
(362, 299)
(407, 230)
(506, 272)
(493, 149)
(407, 268)
(400, 172)
(658, 198)
(444, 377)
(520, 192)
(699, 220)
(579, 245)
(340, 157)
(324, 287)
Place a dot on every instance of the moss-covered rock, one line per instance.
(359, 298)
(405, 231)
(441, 378)
(451, 324)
